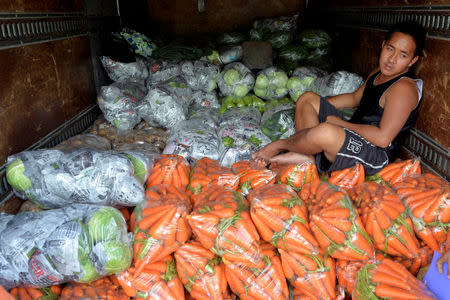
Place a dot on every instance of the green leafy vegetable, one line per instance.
(16, 177)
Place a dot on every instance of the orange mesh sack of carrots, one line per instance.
(161, 225)
(428, 199)
(397, 171)
(346, 273)
(252, 175)
(170, 169)
(223, 225)
(349, 177)
(207, 171)
(386, 219)
(201, 272)
(267, 282)
(335, 222)
(296, 175)
(388, 280)
(107, 288)
(312, 276)
(281, 218)
(157, 281)
(30, 293)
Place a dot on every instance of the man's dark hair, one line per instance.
(412, 28)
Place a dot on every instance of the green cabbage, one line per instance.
(231, 77)
(118, 256)
(261, 81)
(280, 79)
(140, 171)
(294, 83)
(106, 224)
(280, 91)
(16, 177)
(90, 273)
(259, 92)
(241, 90)
(228, 141)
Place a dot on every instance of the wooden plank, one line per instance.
(53, 6)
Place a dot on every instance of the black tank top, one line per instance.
(370, 112)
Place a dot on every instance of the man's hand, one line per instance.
(445, 258)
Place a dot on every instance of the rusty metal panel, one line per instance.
(40, 6)
(381, 3)
(183, 17)
(43, 86)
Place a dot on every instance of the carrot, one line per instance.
(182, 234)
(331, 232)
(148, 221)
(34, 293)
(339, 213)
(380, 277)
(341, 224)
(383, 290)
(159, 229)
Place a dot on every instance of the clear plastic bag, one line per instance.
(279, 39)
(278, 120)
(161, 224)
(252, 175)
(101, 289)
(239, 115)
(285, 23)
(142, 155)
(236, 79)
(78, 242)
(54, 179)
(337, 83)
(200, 75)
(205, 115)
(140, 43)
(166, 104)
(302, 79)
(267, 282)
(86, 140)
(314, 38)
(119, 102)
(193, 140)
(161, 70)
(271, 84)
(170, 169)
(230, 55)
(209, 100)
(221, 222)
(238, 142)
(126, 72)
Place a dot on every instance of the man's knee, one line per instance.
(328, 136)
(309, 98)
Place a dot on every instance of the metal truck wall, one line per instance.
(46, 67)
(202, 16)
(361, 27)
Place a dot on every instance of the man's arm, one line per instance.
(400, 100)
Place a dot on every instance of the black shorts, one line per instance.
(355, 148)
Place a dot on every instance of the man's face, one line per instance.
(397, 54)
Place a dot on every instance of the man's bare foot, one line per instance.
(291, 158)
(269, 151)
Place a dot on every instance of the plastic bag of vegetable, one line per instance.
(301, 80)
(293, 53)
(52, 178)
(337, 83)
(257, 34)
(278, 120)
(250, 100)
(235, 79)
(140, 43)
(142, 156)
(200, 75)
(193, 140)
(238, 115)
(206, 115)
(279, 39)
(125, 72)
(239, 141)
(230, 55)
(231, 38)
(314, 38)
(161, 70)
(204, 99)
(85, 140)
(302, 72)
(79, 242)
(119, 101)
(285, 23)
(166, 103)
(271, 84)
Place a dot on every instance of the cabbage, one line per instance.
(140, 171)
(294, 83)
(280, 91)
(118, 256)
(295, 95)
(231, 77)
(241, 90)
(16, 177)
(280, 79)
(261, 81)
(90, 274)
(259, 92)
(106, 224)
(212, 85)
